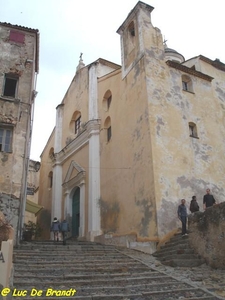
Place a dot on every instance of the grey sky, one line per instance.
(68, 27)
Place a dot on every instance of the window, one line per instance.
(109, 133)
(108, 128)
(17, 36)
(187, 83)
(10, 86)
(131, 29)
(107, 100)
(185, 86)
(50, 176)
(193, 130)
(5, 139)
(77, 124)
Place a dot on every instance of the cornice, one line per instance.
(188, 70)
(77, 180)
(92, 127)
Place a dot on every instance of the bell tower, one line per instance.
(132, 35)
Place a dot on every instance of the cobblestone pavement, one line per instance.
(203, 276)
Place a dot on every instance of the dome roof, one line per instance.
(172, 54)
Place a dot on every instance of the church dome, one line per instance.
(171, 54)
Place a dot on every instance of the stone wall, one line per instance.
(207, 234)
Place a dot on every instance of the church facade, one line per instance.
(130, 141)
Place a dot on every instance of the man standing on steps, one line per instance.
(64, 228)
(182, 215)
(208, 200)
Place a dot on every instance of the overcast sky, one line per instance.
(68, 27)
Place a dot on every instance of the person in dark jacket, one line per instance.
(182, 215)
(208, 200)
(55, 228)
(194, 205)
(64, 228)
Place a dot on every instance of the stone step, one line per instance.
(68, 256)
(73, 264)
(83, 270)
(135, 288)
(179, 256)
(76, 276)
(50, 245)
(184, 262)
(77, 281)
(60, 245)
(174, 247)
(97, 273)
(181, 293)
(184, 241)
(61, 251)
(162, 253)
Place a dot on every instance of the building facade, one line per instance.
(130, 141)
(19, 52)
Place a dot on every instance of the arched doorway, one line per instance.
(76, 213)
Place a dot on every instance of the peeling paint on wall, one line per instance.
(9, 205)
(146, 211)
(109, 215)
(168, 215)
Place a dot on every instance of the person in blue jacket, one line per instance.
(64, 228)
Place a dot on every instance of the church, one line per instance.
(131, 140)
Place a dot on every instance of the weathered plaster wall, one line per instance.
(183, 166)
(45, 191)
(16, 112)
(127, 197)
(207, 231)
(33, 183)
(78, 92)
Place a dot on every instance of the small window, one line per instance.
(131, 29)
(107, 126)
(109, 101)
(6, 139)
(109, 133)
(10, 86)
(187, 83)
(193, 130)
(50, 176)
(17, 36)
(77, 124)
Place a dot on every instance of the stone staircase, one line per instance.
(96, 272)
(178, 253)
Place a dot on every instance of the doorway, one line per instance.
(76, 213)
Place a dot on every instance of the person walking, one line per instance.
(208, 199)
(55, 228)
(182, 215)
(194, 205)
(64, 228)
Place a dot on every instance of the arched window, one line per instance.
(108, 127)
(187, 83)
(131, 29)
(107, 99)
(50, 179)
(51, 153)
(75, 122)
(193, 130)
